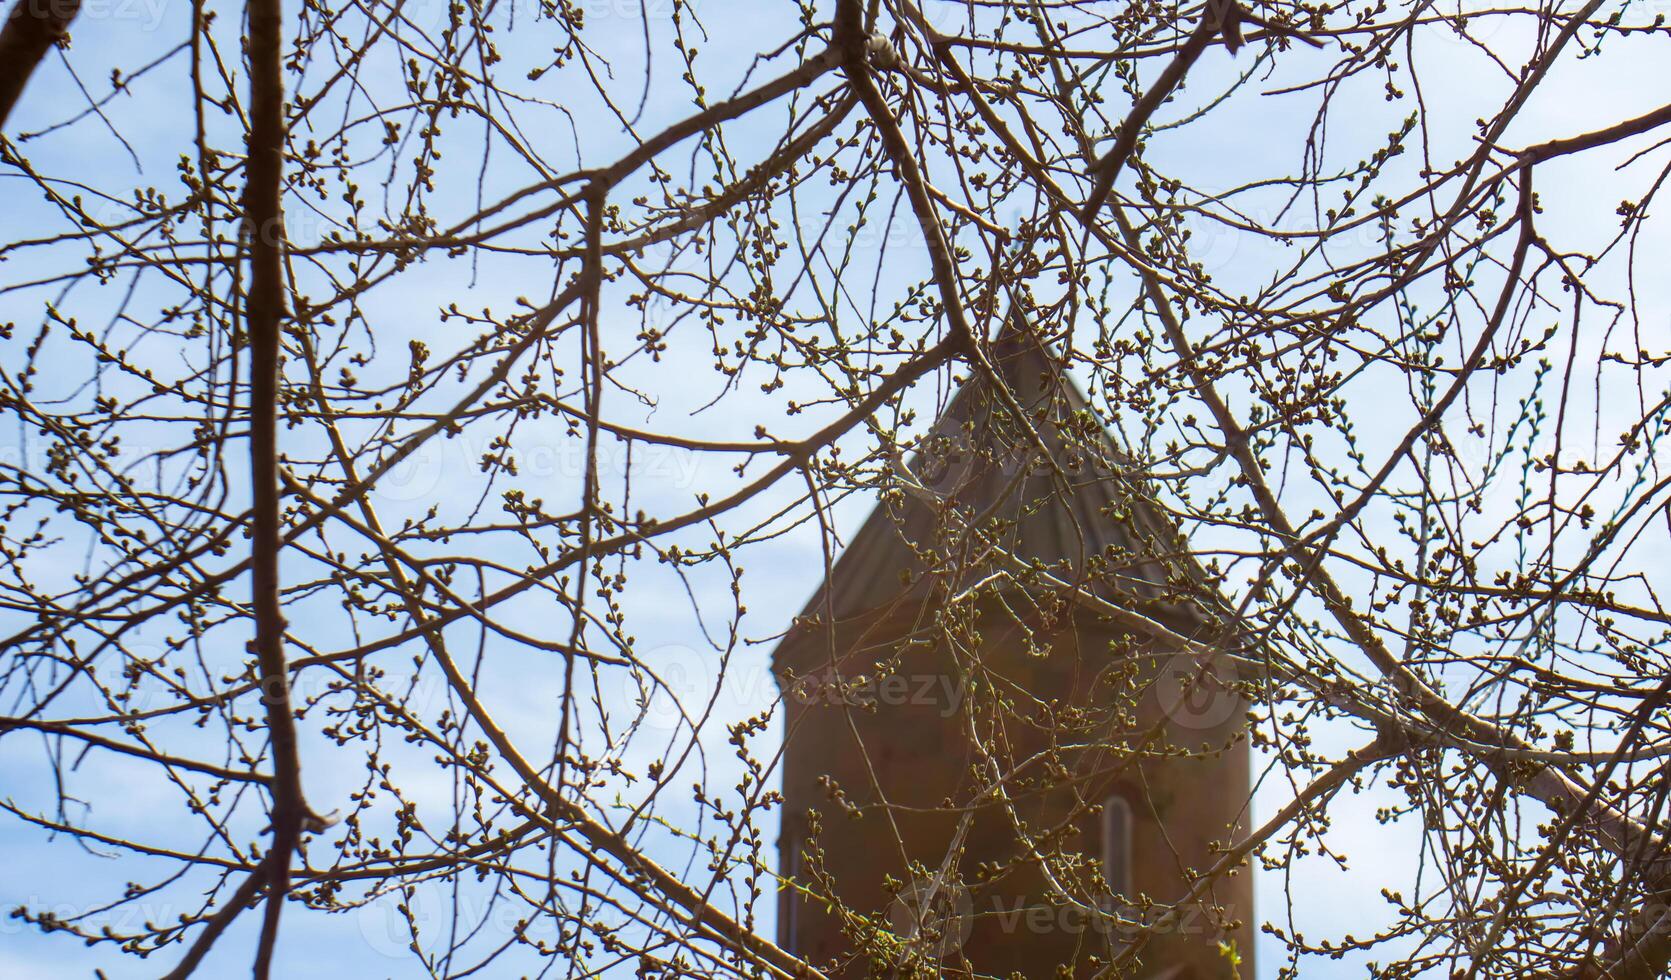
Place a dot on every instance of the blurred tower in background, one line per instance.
(941, 738)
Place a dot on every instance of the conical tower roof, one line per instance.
(1086, 520)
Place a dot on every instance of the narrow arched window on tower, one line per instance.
(1116, 844)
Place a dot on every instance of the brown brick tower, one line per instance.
(972, 739)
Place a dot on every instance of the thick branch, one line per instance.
(264, 234)
(31, 30)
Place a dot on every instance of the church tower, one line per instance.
(984, 772)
